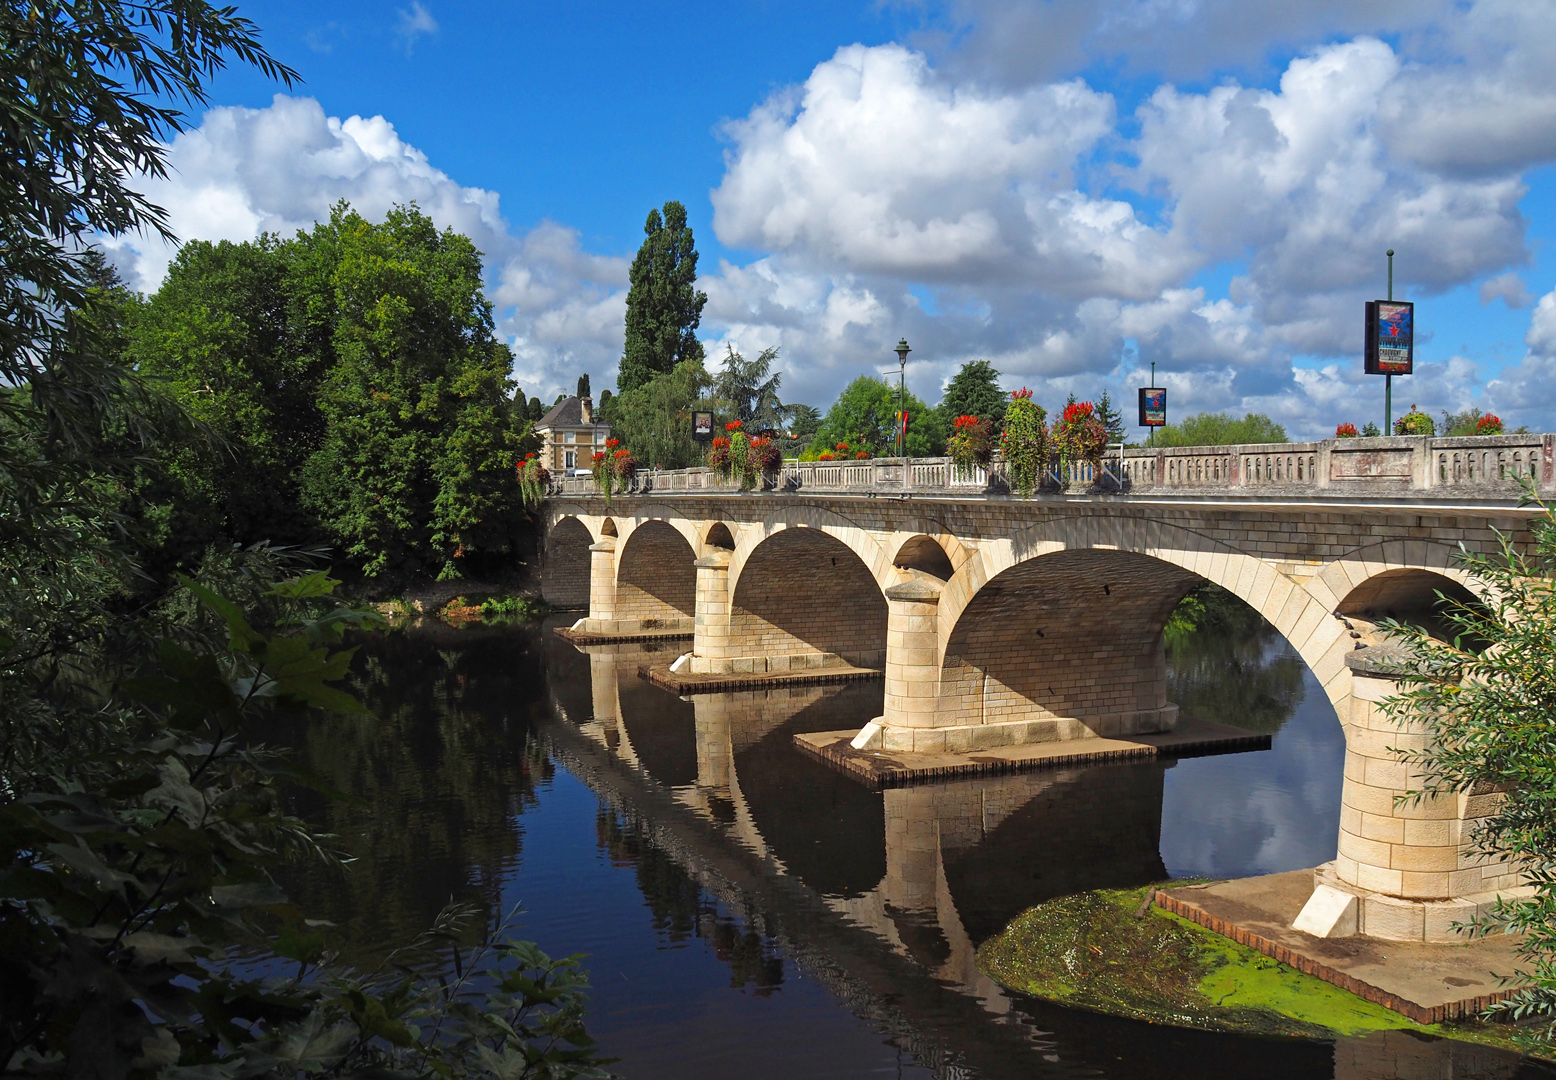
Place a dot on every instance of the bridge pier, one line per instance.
(711, 631)
(1407, 868)
(602, 584)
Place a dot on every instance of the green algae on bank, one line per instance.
(1089, 950)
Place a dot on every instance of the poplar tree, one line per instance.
(663, 305)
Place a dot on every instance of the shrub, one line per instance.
(1489, 424)
(1414, 422)
(826, 455)
(971, 442)
(1025, 441)
(1345, 431)
(1079, 435)
(534, 481)
(766, 458)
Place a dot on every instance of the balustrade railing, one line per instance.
(1472, 467)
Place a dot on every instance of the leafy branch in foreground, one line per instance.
(141, 929)
(1487, 698)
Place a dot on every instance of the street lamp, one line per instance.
(902, 387)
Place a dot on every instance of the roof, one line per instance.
(566, 413)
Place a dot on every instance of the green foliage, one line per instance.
(1025, 443)
(747, 392)
(1078, 434)
(1370, 430)
(1219, 429)
(663, 304)
(1487, 697)
(415, 464)
(1415, 422)
(655, 420)
(355, 390)
(864, 416)
(1111, 417)
(974, 391)
(583, 385)
(218, 338)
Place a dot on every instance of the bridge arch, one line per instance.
(861, 541)
(656, 577)
(925, 554)
(564, 579)
(804, 591)
(718, 537)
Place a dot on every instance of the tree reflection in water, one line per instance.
(1225, 663)
(436, 773)
(682, 910)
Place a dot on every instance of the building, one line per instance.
(571, 435)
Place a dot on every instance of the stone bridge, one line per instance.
(1000, 621)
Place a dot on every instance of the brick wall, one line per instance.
(655, 578)
(564, 576)
(804, 591)
(1074, 633)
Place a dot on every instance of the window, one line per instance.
(567, 436)
(570, 460)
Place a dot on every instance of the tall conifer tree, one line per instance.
(663, 304)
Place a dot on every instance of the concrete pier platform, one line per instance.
(591, 637)
(884, 768)
(1426, 981)
(689, 682)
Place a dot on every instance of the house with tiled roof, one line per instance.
(571, 435)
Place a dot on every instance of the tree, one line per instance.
(1111, 417)
(583, 385)
(865, 417)
(748, 393)
(654, 421)
(217, 335)
(974, 391)
(416, 462)
(663, 305)
(1486, 700)
(804, 422)
(1219, 429)
(603, 408)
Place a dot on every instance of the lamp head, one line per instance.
(902, 351)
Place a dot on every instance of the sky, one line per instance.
(1071, 190)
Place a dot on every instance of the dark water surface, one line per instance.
(748, 912)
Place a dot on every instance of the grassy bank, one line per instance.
(1090, 951)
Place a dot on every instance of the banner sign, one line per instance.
(1153, 406)
(702, 427)
(1390, 337)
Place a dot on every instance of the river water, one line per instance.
(748, 912)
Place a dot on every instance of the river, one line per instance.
(748, 912)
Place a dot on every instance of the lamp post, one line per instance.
(1388, 379)
(902, 387)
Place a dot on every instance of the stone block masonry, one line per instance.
(999, 622)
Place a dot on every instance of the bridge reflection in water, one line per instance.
(929, 872)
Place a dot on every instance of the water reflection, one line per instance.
(750, 912)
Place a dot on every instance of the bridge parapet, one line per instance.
(1470, 468)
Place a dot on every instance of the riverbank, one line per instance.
(1110, 951)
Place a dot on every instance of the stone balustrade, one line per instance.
(1471, 468)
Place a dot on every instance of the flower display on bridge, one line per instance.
(1079, 435)
(1025, 442)
(971, 443)
(1490, 424)
(534, 480)
(1345, 431)
(1415, 422)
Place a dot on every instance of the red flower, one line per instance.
(1074, 414)
(961, 423)
(599, 457)
(1345, 431)
(862, 455)
(1490, 424)
(611, 444)
(841, 448)
(733, 425)
(720, 441)
(1021, 395)
(826, 455)
(759, 442)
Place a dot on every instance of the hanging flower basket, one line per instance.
(1025, 442)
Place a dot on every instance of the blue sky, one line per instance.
(1068, 189)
